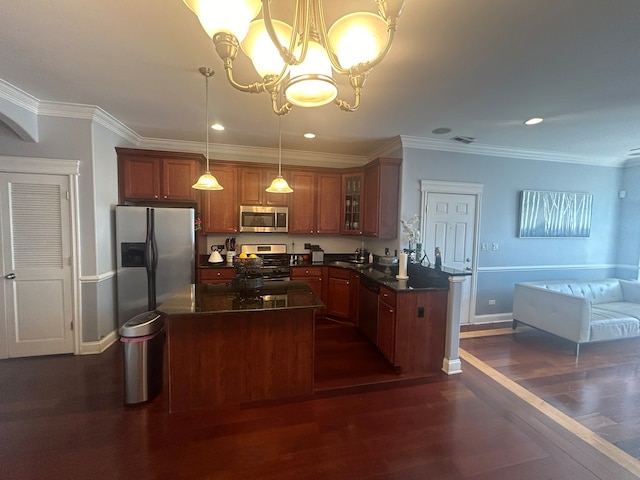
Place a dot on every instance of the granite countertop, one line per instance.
(420, 276)
(212, 299)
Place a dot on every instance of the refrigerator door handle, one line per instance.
(151, 259)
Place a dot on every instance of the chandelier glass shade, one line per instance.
(296, 62)
(206, 180)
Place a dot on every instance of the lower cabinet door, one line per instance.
(339, 298)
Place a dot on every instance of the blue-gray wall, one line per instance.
(520, 259)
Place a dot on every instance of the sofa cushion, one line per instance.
(603, 328)
(598, 291)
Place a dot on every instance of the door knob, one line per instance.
(10, 276)
(468, 269)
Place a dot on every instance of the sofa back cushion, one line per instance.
(598, 291)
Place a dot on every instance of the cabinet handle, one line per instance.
(391, 310)
(347, 283)
(385, 295)
(165, 197)
(219, 273)
(155, 196)
(307, 272)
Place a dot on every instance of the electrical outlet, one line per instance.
(492, 302)
(495, 247)
(484, 247)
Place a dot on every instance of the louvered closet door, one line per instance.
(36, 248)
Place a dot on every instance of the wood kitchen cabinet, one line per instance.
(341, 296)
(253, 183)
(314, 277)
(315, 203)
(328, 189)
(302, 206)
(220, 207)
(381, 189)
(412, 329)
(216, 275)
(352, 204)
(155, 176)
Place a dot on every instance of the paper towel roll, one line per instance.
(402, 265)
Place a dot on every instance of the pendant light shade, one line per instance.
(206, 180)
(279, 184)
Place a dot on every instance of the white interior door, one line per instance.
(35, 237)
(450, 226)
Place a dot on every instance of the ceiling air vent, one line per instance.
(465, 140)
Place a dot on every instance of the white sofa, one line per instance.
(582, 312)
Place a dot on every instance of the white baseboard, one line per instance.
(92, 348)
(493, 318)
(451, 367)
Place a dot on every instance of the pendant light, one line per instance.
(279, 184)
(206, 180)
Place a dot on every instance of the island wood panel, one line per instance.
(420, 341)
(227, 359)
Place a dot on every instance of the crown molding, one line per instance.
(91, 113)
(18, 97)
(495, 151)
(392, 148)
(239, 153)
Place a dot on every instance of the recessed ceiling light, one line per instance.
(217, 127)
(309, 135)
(441, 130)
(534, 121)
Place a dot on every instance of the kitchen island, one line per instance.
(223, 349)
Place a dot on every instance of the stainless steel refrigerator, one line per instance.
(155, 250)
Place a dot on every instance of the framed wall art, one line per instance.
(546, 214)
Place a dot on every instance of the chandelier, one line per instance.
(296, 62)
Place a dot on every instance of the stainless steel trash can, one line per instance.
(143, 339)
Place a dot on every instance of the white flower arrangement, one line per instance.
(411, 229)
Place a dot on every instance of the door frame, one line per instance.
(457, 188)
(71, 169)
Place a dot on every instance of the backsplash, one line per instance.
(295, 243)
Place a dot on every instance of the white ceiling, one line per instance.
(478, 67)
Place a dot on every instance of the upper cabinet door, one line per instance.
(302, 209)
(352, 207)
(251, 186)
(381, 190)
(328, 205)
(220, 207)
(139, 178)
(177, 178)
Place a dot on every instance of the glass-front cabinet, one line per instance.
(352, 188)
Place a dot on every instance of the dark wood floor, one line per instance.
(63, 418)
(600, 388)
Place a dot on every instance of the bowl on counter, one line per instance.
(387, 261)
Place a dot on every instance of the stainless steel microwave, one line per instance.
(264, 219)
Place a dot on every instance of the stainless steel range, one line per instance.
(275, 260)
